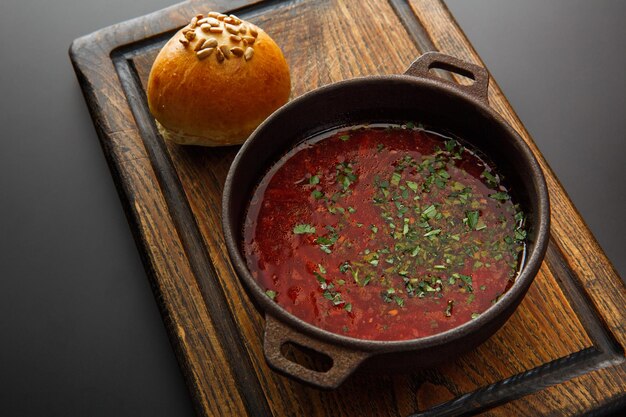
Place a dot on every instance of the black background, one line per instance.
(80, 331)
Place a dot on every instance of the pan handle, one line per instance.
(436, 60)
(344, 361)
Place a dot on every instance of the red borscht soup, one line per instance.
(384, 233)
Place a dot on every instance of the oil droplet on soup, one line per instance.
(384, 233)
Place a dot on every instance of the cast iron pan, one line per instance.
(417, 95)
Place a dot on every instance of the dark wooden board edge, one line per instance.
(83, 51)
(201, 265)
(100, 47)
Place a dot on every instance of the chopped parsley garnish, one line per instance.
(326, 242)
(316, 194)
(491, 180)
(472, 219)
(433, 232)
(271, 294)
(412, 185)
(467, 280)
(430, 212)
(500, 196)
(344, 137)
(399, 301)
(302, 229)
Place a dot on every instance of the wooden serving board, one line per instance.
(561, 353)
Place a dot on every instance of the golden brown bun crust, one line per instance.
(211, 103)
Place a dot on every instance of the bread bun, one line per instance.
(216, 80)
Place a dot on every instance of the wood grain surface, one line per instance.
(561, 353)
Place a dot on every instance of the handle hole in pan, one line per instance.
(307, 357)
(443, 70)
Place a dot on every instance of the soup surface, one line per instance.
(383, 233)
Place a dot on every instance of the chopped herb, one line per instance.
(380, 147)
(433, 232)
(475, 315)
(367, 280)
(351, 209)
(316, 194)
(449, 308)
(410, 125)
(399, 301)
(443, 174)
(490, 178)
(301, 229)
(374, 229)
(348, 307)
(430, 212)
(314, 180)
(520, 234)
(412, 185)
(500, 196)
(271, 294)
(326, 242)
(373, 259)
(467, 280)
(472, 219)
(395, 178)
(344, 137)
(321, 268)
(388, 295)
